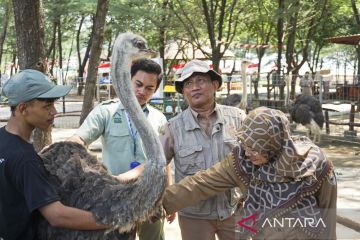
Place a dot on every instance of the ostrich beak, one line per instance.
(144, 53)
(150, 52)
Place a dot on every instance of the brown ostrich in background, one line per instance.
(83, 182)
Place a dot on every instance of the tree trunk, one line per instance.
(290, 49)
(59, 35)
(280, 33)
(82, 63)
(30, 36)
(52, 49)
(357, 19)
(52, 45)
(69, 56)
(96, 46)
(13, 68)
(4, 31)
(162, 32)
(87, 54)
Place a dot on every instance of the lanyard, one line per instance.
(133, 132)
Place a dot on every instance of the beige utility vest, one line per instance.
(195, 151)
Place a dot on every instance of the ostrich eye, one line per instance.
(139, 44)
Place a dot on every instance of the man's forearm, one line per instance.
(169, 175)
(132, 174)
(59, 215)
(77, 139)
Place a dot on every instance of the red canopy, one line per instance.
(104, 65)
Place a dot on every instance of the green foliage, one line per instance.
(247, 21)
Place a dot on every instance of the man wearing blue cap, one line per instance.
(24, 186)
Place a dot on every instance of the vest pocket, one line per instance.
(191, 160)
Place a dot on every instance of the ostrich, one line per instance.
(307, 111)
(232, 100)
(84, 183)
(243, 103)
(287, 79)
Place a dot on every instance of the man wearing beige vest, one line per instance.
(198, 138)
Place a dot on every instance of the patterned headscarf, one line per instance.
(295, 170)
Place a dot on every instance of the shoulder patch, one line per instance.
(117, 118)
(161, 130)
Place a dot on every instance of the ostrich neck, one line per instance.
(243, 71)
(122, 85)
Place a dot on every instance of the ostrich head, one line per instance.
(134, 46)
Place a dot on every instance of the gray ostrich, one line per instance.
(83, 182)
(244, 64)
(307, 111)
(232, 100)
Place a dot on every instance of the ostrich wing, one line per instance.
(84, 183)
(305, 109)
(232, 100)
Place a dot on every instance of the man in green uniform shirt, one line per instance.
(121, 144)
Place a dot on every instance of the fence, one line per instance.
(338, 94)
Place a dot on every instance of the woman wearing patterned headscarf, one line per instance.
(289, 183)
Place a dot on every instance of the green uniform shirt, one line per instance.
(109, 121)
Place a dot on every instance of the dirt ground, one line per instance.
(344, 153)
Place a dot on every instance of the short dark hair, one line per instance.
(48, 100)
(148, 66)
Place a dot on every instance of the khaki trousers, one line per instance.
(151, 231)
(203, 229)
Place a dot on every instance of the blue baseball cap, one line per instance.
(30, 84)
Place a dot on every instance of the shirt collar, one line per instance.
(145, 108)
(191, 117)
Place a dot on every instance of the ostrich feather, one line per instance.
(307, 111)
(232, 100)
(84, 183)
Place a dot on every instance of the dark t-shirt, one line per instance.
(24, 187)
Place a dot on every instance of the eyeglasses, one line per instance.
(249, 151)
(198, 81)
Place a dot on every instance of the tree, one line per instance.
(304, 27)
(357, 20)
(96, 46)
(221, 19)
(261, 27)
(6, 19)
(29, 27)
(29, 33)
(65, 21)
(280, 34)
